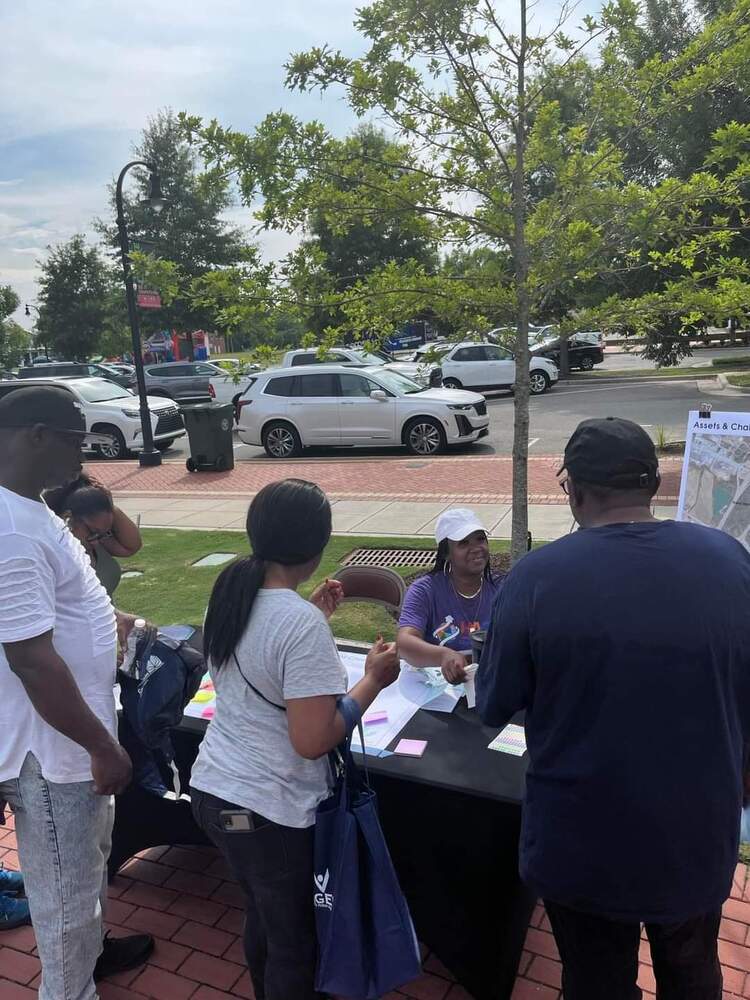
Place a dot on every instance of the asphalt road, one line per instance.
(555, 415)
(615, 359)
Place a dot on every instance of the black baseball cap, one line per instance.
(612, 452)
(49, 405)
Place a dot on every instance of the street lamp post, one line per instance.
(150, 455)
(27, 312)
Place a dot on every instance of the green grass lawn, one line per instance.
(659, 373)
(171, 591)
(739, 380)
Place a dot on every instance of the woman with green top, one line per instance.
(106, 533)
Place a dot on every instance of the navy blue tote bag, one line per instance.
(367, 945)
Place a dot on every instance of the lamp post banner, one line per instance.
(149, 300)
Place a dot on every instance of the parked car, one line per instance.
(72, 369)
(111, 409)
(357, 357)
(436, 348)
(584, 349)
(182, 381)
(385, 356)
(340, 406)
(476, 365)
(120, 367)
(229, 386)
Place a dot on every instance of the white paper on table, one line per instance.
(446, 700)
(511, 740)
(446, 695)
(401, 701)
(432, 697)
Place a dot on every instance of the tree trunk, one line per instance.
(190, 345)
(520, 510)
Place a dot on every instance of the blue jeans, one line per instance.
(64, 834)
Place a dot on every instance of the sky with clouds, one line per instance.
(79, 79)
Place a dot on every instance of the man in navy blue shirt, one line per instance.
(628, 645)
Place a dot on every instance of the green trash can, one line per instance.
(209, 427)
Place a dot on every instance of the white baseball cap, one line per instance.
(457, 524)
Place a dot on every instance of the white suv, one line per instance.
(356, 357)
(334, 405)
(112, 410)
(476, 365)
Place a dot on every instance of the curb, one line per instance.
(586, 379)
(726, 384)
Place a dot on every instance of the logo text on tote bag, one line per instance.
(323, 900)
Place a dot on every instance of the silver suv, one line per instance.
(183, 381)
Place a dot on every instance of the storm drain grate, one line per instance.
(390, 557)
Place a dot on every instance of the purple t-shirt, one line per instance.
(443, 616)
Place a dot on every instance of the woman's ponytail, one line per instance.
(229, 607)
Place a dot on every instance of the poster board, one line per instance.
(715, 484)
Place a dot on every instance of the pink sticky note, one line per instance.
(374, 717)
(207, 713)
(411, 748)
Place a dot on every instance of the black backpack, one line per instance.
(167, 674)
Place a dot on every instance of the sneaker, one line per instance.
(11, 882)
(121, 954)
(13, 913)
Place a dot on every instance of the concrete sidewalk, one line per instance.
(381, 517)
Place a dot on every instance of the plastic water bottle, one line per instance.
(137, 633)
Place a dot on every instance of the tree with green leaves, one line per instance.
(74, 284)
(348, 247)
(191, 233)
(497, 162)
(14, 340)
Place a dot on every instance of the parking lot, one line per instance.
(554, 416)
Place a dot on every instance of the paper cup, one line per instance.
(469, 690)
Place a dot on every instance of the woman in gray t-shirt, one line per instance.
(262, 768)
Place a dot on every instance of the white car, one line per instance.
(357, 357)
(228, 388)
(477, 365)
(110, 409)
(334, 405)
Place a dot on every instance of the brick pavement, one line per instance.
(186, 898)
(455, 478)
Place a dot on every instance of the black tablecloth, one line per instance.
(452, 820)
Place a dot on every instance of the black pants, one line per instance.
(600, 957)
(274, 867)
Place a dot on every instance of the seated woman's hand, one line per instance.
(328, 596)
(453, 665)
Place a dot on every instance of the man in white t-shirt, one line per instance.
(60, 762)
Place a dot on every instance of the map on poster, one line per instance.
(715, 486)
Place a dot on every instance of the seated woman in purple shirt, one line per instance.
(442, 609)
